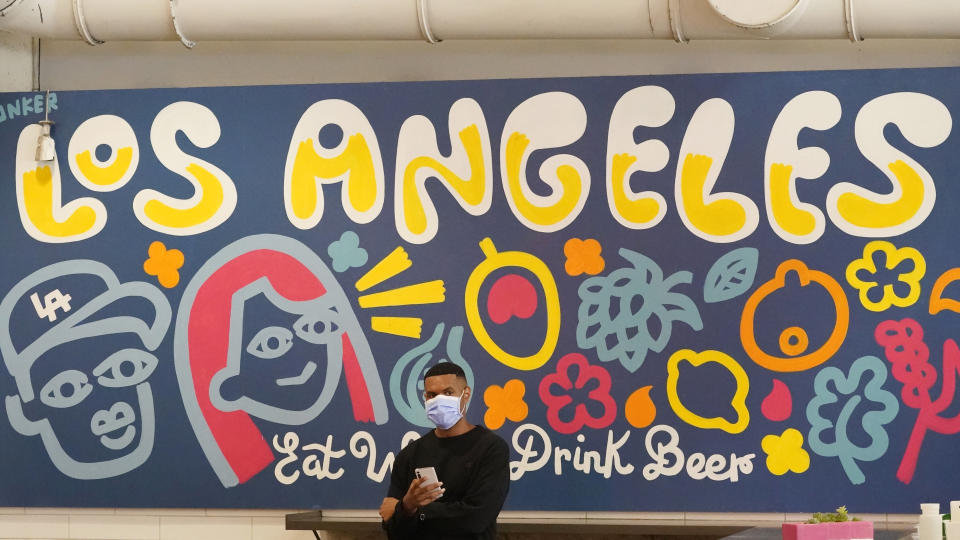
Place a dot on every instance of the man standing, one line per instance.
(472, 465)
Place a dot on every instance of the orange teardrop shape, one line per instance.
(639, 409)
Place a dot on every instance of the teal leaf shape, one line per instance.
(829, 433)
(731, 275)
(615, 313)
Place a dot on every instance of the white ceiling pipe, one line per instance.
(297, 20)
(39, 18)
(279, 20)
(128, 20)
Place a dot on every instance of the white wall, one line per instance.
(146, 524)
(75, 65)
(16, 63)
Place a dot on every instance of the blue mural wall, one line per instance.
(703, 292)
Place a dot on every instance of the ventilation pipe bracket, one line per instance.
(676, 22)
(765, 19)
(852, 31)
(424, 20)
(81, 22)
(176, 26)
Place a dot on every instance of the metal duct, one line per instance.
(190, 21)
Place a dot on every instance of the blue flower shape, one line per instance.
(616, 310)
(872, 420)
(346, 253)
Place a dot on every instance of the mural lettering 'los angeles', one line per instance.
(713, 292)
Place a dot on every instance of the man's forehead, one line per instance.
(440, 382)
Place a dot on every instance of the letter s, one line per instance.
(214, 197)
(924, 122)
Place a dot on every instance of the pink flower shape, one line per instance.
(556, 402)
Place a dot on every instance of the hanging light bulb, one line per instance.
(45, 145)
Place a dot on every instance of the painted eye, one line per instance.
(318, 328)
(271, 342)
(66, 389)
(128, 367)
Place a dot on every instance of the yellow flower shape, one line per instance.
(164, 263)
(893, 258)
(503, 403)
(785, 452)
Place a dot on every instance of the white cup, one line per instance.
(953, 530)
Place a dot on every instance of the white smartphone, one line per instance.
(429, 475)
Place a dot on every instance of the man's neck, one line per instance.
(461, 427)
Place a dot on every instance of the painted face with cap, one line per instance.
(83, 381)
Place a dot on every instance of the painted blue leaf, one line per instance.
(731, 276)
(614, 317)
(683, 309)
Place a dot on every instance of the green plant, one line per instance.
(840, 516)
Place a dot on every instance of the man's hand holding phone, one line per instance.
(423, 490)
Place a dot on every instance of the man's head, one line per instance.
(446, 394)
(446, 379)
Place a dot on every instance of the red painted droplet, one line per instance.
(778, 405)
(511, 295)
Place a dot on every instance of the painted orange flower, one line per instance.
(504, 402)
(164, 263)
(583, 257)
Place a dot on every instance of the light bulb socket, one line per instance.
(46, 150)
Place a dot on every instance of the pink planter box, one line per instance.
(844, 530)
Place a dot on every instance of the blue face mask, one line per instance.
(444, 411)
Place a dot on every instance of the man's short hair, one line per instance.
(446, 368)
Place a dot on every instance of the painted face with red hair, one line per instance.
(264, 330)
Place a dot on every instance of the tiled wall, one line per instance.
(145, 524)
(218, 524)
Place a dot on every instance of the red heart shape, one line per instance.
(511, 295)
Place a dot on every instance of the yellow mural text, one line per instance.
(560, 206)
(639, 210)
(791, 219)
(107, 175)
(719, 217)
(472, 190)
(872, 214)
(39, 194)
(210, 192)
(355, 160)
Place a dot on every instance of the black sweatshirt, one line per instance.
(475, 471)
